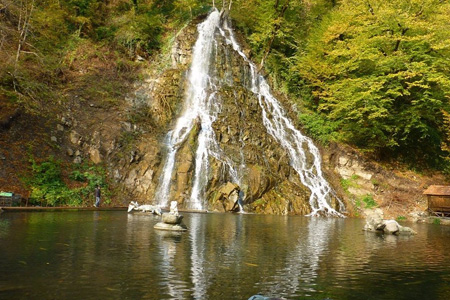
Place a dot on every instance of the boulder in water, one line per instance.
(374, 219)
(375, 222)
(169, 218)
(172, 220)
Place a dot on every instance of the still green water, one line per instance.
(115, 255)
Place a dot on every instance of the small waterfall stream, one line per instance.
(202, 105)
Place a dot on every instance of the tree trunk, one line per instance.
(26, 10)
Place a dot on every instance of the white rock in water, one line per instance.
(374, 218)
(375, 222)
(391, 227)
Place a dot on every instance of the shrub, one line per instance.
(49, 188)
(369, 201)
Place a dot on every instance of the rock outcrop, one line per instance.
(132, 144)
(397, 192)
(268, 183)
(375, 222)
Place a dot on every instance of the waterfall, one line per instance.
(202, 104)
(292, 140)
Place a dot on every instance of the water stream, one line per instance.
(297, 145)
(202, 105)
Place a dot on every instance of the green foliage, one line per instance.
(401, 218)
(186, 9)
(91, 176)
(319, 128)
(437, 221)
(369, 201)
(276, 31)
(48, 187)
(273, 28)
(138, 33)
(350, 182)
(379, 72)
(37, 57)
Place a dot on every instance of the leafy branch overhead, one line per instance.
(380, 71)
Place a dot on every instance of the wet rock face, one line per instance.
(182, 46)
(159, 97)
(225, 197)
(268, 182)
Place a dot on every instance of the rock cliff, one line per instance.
(129, 140)
(268, 182)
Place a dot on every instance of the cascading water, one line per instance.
(296, 144)
(202, 104)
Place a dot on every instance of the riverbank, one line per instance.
(60, 208)
(78, 208)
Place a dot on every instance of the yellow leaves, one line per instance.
(441, 45)
(334, 32)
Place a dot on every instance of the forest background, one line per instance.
(372, 74)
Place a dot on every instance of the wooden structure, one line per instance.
(9, 199)
(438, 200)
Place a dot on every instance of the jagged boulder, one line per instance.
(375, 222)
(225, 197)
(374, 219)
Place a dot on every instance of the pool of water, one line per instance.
(115, 255)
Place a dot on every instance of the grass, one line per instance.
(369, 201)
(437, 221)
(350, 182)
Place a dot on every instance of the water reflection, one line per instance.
(176, 286)
(4, 227)
(199, 270)
(114, 255)
(301, 265)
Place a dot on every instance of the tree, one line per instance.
(380, 72)
(183, 4)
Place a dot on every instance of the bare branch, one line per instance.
(24, 23)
